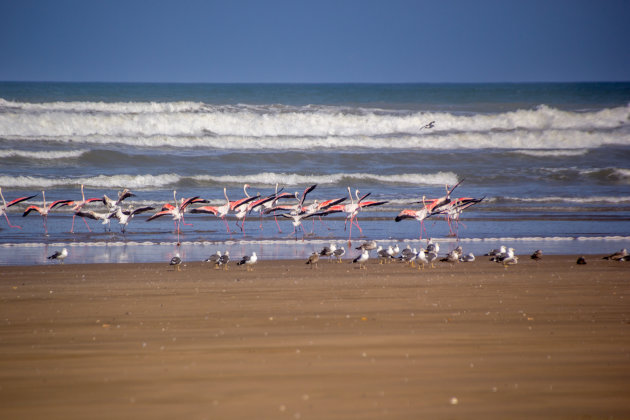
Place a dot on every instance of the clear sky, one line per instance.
(315, 40)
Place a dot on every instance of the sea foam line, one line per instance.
(44, 155)
(265, 179)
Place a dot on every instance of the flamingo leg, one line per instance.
(86, 225)
(226, 225)
(356, 222)
(72, 227)
(350, 235)
(277, 224)
(10, 225)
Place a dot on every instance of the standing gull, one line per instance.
(362, 259)
(59, 255)
(249, 261)
(313, 259)
(339, 252)
(176, 261)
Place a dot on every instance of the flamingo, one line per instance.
(112, 205)
(454, 209)
(269, 207)
(176, 211)
(298, 207)
(125, 216)
(45, 209)
(104, 218)
(223, 210)
(78, 206)
(296, 219)
(353, 208)
(5, 206)
(428, 209)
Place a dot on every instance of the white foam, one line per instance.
(268, 179)
(559, 199)
(44, 155)
(553, 153)
(270, 127)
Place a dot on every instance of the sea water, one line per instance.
(550, 160)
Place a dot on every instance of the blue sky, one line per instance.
(315, 41)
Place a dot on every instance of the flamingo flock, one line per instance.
(279, 204)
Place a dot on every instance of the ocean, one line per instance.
(550, 160)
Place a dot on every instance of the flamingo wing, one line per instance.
(59, 203)
(167, 207)
(238, 203)
(88, 214)
(406, 214)
(371, 203)
(206, 209)
(330, 203)
(19, 200)
(160, 214)
(30, 209)
(142, 210)
(306, 191)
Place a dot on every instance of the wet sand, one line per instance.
(546, 339)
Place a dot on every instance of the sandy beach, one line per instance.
(547, 339)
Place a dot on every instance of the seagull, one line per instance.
(431, 257)
(409, 257)
(214, 258)
(362, 259)
(537, 255)
(452, 257)
(369, 245)
(470, 257)
(508, 259)
(496, 251)
(59, 255)
(224, 260)
(313, 259)
(617, 256)
(249, 261)
(176, 261)
(422, 257)
(581, 261)
(383, 254)
(339, 252)
(432, 246)
(328, 251)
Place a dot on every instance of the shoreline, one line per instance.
(547, 339)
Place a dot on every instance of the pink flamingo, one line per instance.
(78, 206)
(45, 209)
(352, 210)
(223, 210)
(5, 206)
(176, 211)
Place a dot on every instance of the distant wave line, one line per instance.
(549, 143)
(193, 119)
